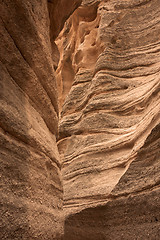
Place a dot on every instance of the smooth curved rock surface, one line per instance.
(108, 76)
(110, 106)
(132, 210)
(31, 187)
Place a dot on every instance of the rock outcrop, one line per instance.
(31, 187)
(109, 80)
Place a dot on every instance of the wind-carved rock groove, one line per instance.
(107, 72)
(109, 127)
(31, 187)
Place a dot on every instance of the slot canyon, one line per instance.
(80, 120)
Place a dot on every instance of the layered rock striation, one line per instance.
(31, 187)
(132, 210)
(107, 72)
(109, 82)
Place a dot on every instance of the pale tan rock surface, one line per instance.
(31, 188)
(132, 210)
(109, 82)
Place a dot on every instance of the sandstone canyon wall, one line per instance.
(107, 71)
(109, 81)
(31, 187)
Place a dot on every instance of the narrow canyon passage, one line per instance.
(31, 197)
(80, 119)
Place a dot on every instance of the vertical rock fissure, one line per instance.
(105, 77)
(31, 187)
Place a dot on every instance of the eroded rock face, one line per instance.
(108, 84)
(31, 187)
(110, 72)
(132, 210)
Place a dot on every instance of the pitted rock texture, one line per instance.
(31, 187)
(112, 106)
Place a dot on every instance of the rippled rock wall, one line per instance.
(31, 187)
(109, 82)
(100, 82)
